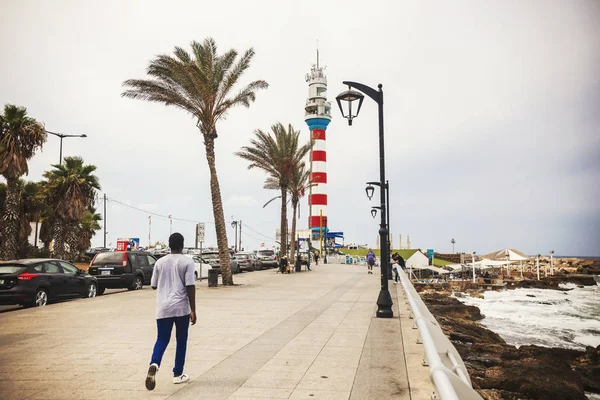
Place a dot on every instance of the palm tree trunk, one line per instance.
(10, 233)
(58, 235)
(293, 235)
(215, 193)
(72, 236)
(283, 227)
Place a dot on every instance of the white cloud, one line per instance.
(241, 201)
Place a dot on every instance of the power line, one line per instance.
(246, 225)
(158, 215)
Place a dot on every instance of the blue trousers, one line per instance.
(165, 326)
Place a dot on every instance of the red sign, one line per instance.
(122, 245)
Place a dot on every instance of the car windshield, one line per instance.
(109, 258)
(241, 256)
(11, 269)
(210, 256)
(266, 253)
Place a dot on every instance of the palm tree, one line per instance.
(70, 193)
(32, 207)
(202, 85)
(89, 224)
(278, 153)
(20, 137)
(300, 182)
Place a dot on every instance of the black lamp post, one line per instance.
(62, 136)
(374, 211)
(384, 301)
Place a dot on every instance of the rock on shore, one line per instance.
(501, 371)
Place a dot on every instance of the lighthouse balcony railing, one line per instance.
(447, 370)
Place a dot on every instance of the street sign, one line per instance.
(201, 227)
(429, 253)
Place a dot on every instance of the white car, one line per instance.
(201, 267)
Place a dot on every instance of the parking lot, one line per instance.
(300, 335)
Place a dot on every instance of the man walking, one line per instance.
(173, 277)
(370, 261)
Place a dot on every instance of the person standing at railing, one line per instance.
(397, 260)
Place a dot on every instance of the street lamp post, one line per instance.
(551, 263)
(384, 301)
(452, 241)
(537, 264)
(370, 190)
(62, 136)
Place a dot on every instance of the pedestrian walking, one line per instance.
(316, 257)
(173, 278)
(370, 261)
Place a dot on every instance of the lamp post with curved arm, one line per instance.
(384, 301)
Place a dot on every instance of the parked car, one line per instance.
(158, 253)
(201, 267)
(122, 269)
(94, 250)
(36, 281)
(247, 261)
(267, 258)
(212, 257)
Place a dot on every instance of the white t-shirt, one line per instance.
(172, 273)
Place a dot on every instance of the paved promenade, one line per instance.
(309, 335)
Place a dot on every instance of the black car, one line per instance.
(122, 269)
(36, 281)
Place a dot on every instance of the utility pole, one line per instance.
(240, 246)
(234, 225)
(170, 225)
(104, 220)
(149, 229)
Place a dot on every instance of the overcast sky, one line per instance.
(492, 113)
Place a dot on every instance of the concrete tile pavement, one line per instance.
(306, 335)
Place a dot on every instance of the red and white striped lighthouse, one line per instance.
(317, 117)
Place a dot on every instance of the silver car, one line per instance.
(267, 258)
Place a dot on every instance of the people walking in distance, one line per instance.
(173, 277)
(370, 261)
(316, 257)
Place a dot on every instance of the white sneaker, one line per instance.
(151, 378)
(395, 283)
(180, 379)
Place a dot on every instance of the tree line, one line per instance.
(62, 205)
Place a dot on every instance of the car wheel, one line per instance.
(92, 290)
(40, 299)
(138, 283)
(100, 291)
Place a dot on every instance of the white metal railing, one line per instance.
(446, 368)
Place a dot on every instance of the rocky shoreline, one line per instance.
(502, 371)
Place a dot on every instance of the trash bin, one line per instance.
(213, 278)
(298, 266)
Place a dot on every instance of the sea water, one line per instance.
(543, 317)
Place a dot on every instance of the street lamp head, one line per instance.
(370, 190)
(373, 212)
(350, 96)
(84, 135)
(551, 251)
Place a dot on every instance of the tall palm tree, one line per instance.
(32, 206)
(20, 137)
(70, 193)
(278, 154)
(201, 84)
